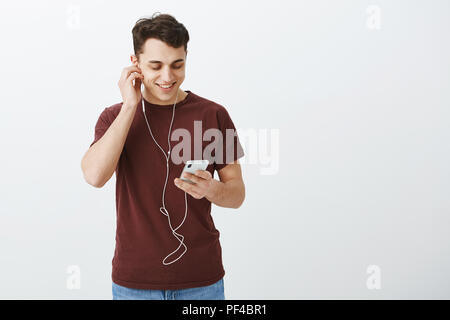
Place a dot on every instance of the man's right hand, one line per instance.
(131, 94)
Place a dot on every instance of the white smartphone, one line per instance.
(191, 166)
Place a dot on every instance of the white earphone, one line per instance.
(163, 208)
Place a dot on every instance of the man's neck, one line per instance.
(181, 96)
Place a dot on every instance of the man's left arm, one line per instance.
(229, 192)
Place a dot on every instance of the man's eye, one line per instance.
(178, 67)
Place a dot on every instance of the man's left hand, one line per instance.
(203, 186)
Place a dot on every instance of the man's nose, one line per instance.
(167, 74)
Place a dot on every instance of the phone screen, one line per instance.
(193, 165)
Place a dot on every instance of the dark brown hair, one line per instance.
(160, 26)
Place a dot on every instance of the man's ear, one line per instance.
(133, 59)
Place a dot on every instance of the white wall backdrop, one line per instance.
(358, 92)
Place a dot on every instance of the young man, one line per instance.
(167, 246)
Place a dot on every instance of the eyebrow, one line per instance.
(156, 61)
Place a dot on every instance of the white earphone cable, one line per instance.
(163, 208)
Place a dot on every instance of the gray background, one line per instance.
(363, 118)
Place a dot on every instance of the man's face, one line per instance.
(161, 65)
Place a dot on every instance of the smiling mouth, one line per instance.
(165, 87)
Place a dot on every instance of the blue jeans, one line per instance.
(214, 291)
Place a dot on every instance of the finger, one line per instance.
(181, 184)
(185, 186)
(192, 177)
(138, 78)
(196, 195)
(129, 70)
(205, 174)
(134, 76)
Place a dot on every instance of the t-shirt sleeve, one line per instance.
(101, 126)
(231, 146)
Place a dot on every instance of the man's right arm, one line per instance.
(100, 161)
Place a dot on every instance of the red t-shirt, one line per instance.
(143, 235)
